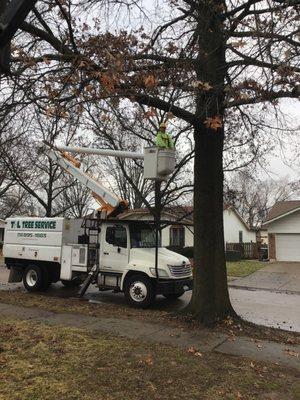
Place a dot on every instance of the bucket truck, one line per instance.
(112, 253)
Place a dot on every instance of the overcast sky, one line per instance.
(286, 161)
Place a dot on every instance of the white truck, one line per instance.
(117, 255)
(40, 251)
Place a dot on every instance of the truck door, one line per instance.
(114, 249)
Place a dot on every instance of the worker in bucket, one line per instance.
(163, 138)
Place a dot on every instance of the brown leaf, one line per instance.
(170, 115)
(192, 350)
(149, 114)
(108, 82)
(198, 354)
(148, 360)
(46, 60)
(291, 353)
(213, 123)
(152, 386)
(202, 85)
(150, 81)
(82, 64)
(239, 43)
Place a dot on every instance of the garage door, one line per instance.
(288, 247)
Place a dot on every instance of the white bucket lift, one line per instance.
(158, 163)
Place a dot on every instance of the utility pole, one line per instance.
(157, 187)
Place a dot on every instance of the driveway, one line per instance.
(279, 276)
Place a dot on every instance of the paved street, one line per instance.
(268, 306)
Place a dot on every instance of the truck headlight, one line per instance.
(161, 273)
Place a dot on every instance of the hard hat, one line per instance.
(163, 125)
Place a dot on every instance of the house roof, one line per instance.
(281, 209)
(182, 213)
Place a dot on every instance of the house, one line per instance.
(235, 228)
(2, 226)
(283, 222)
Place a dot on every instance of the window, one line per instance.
(116, 235)
(177, 236)
(240, 236)
(143, 235)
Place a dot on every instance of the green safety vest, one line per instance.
(163, 139)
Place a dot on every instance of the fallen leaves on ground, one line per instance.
(291, 353)
(194, 351)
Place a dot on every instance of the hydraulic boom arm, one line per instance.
(109, 202)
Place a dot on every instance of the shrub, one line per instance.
(184, 251)
(188, 252)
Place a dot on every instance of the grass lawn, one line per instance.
(152, 315)
(47, 363)
(243, 268)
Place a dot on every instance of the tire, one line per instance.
(173, 296)
(34, 278)
(139, 291)
(71, 284)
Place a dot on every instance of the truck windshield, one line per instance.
(142, 236)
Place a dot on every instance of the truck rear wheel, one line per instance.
(35, 279)
(139, 291)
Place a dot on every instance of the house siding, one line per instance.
(165, 237)
(233, 225)
(288, 224)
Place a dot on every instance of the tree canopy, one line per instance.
(220, 66)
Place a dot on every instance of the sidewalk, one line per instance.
(203, 341)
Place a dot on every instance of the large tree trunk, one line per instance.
(210, 300)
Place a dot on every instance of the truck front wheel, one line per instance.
(35, 279)
(139, 291)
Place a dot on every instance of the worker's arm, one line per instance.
(159, 140)
(171, 143)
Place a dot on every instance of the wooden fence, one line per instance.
(247, 250)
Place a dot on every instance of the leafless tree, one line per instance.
(253, 198)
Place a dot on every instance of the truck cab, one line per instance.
(40, 251)
(127, 250)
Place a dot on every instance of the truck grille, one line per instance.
(180, 270)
